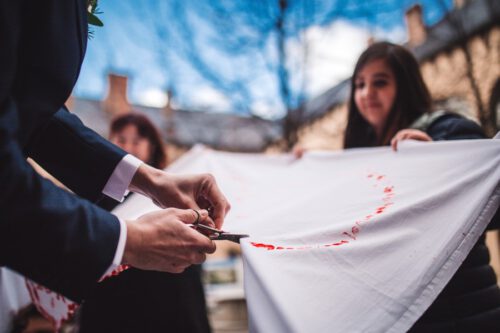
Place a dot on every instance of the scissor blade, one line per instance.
(229, 237)
(207, 228)
(220, 234)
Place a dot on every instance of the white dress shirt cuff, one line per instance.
(117, 185)
(120, 249)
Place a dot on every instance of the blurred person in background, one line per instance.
(137, 300)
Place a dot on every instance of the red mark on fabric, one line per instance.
(265, 246)
(349, 235)
(388, 194)
(354, 231)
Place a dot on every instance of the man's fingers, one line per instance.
(211, 193)
(192, 216)
(176, 267)
(220, 206)
(210, 248)
(199, 242)
(203, 243)
(220, 212)
(199, 258)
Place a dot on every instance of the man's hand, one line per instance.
(182, 191)
(409, 134)
(162, 241)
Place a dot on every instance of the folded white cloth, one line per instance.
(13, 297)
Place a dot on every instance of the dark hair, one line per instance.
(147, 130)
(412, 96)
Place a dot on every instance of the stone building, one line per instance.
(460, 57)
(181, 129)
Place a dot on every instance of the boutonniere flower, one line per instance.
(92, 12)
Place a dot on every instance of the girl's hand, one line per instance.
(409, 134)
(298, 151)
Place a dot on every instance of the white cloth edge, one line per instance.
(275, 322)
(445, 274)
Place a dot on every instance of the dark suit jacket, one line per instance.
(53, 237)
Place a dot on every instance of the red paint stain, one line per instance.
(355, 229)
(35, 293)
(265, 246)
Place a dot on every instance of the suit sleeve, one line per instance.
(49, 235)
(46, 234)
(77, 156)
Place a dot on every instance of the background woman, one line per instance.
(145, 301)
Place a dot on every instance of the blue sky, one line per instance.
(221, 55)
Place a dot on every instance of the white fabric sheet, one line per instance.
(353, 241)
(13, 297)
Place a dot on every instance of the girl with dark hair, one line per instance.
(144, 301)
(389, 102)
(393, 74)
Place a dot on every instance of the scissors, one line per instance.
(216, 234)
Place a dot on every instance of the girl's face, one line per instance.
(375, 92)
(129, 140)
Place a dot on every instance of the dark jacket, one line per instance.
(49, 235)
(471, 300)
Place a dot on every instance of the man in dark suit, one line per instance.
(58, 239)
